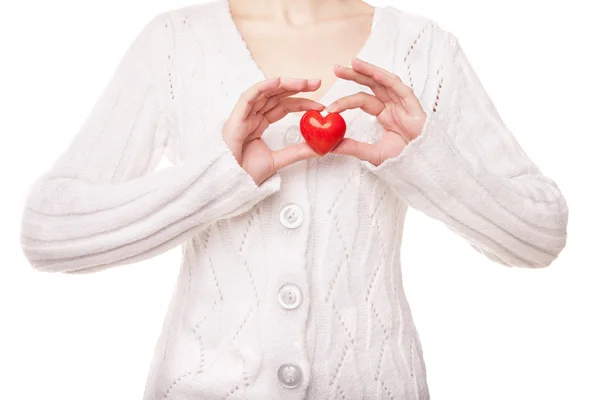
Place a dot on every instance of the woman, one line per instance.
(290, 284)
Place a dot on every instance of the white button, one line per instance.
(289, 296)
(291, 136)
(289, 375)
(291, 215)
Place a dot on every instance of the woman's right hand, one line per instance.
(259, 106)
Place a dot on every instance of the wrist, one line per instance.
(234, 147)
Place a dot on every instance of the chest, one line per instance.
(213, 70)
(308, 51)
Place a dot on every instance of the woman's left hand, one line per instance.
(393, 103)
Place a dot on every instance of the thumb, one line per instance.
(363, 151)
(291, 154)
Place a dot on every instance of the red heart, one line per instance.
(322, 134)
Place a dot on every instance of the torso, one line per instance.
(352, 335)
(305, 50)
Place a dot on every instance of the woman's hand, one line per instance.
(393, 103)
(262, 104)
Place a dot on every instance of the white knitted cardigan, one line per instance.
(349, 333)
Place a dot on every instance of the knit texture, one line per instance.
(103, 204)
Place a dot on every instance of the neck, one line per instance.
(297, 12)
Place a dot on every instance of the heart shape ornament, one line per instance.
(322, 134)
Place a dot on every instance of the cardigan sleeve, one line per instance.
(467, 170)
(103, 203)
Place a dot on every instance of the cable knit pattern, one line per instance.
(228, 331)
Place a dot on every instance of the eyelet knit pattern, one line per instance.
(103, 204)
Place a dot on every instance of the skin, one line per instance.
(278, 34)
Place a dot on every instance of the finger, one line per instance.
(390, 81)
(274, 100)
(395, 84)
(362, 67)
(261, 127)
(364, 151)
(242, 107)
(348, 73)
(291, 154)
(291, 104)
(365, 101)
(295, 84)
(291, 85)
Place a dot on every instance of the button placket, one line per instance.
(289, 294)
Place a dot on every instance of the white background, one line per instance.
(489, 332)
